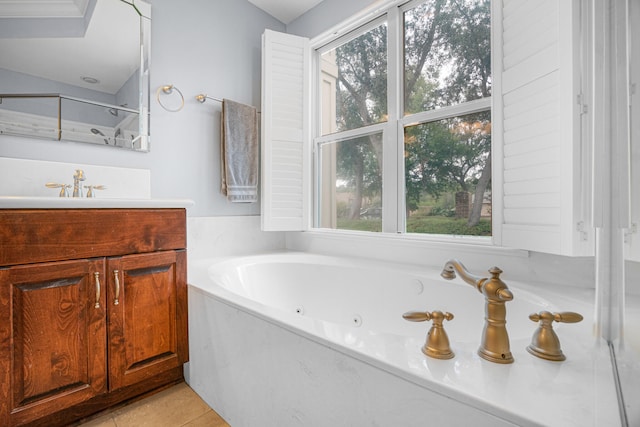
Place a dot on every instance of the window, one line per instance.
(541, 98)
(435, 114)
(353, 88)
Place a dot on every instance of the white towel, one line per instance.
(239, 152)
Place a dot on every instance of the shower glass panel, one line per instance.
(628, 349)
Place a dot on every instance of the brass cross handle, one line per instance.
(545, 343)
(437, 343)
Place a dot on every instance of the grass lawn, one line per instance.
(423, 225)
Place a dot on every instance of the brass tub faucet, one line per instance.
(494, 344)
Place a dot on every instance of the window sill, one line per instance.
(401, 247)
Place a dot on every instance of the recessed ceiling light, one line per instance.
(91, 80)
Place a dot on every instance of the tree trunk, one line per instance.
(356, 206)
(478, 198)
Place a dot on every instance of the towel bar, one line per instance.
(202, 97)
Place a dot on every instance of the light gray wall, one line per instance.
(325, 15)
(210, 46)
(14, 82)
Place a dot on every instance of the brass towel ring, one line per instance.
(168, 90)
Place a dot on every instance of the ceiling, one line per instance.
(24, 25)
(285, 11)
(103, 50)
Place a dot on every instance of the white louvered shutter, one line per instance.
(632, 237)
(285, 131)
(540, 184)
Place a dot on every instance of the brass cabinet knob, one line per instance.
(545, 343)
(437, 343)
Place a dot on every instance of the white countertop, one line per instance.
(11, 202)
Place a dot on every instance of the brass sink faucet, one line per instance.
(77, 186)
(494, 345)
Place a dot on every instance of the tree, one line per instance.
(446, 62)
(448, 155)
(361, 100)
(458, 68)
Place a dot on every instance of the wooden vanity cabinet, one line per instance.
(93, 310)
(53, 348)
(144, 325)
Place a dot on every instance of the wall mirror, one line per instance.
(76, 70)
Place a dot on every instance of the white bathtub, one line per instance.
(296, 339)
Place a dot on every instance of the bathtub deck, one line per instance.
(262, 332)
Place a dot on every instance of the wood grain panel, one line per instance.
(143, 326)
(58, 354)
(33, 235)
(61, 335)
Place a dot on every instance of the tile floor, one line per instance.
(178, 406)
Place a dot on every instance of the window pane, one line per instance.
(353, 81)
(448, 174)
(447, 54)
(351, 184)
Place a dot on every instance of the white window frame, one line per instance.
(566, 56)
(393, 179)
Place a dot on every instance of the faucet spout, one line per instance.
(453, 265)
(77, 178)
(494, 345)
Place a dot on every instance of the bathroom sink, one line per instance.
(19, 202)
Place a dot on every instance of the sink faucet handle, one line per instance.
(94, 187)
(63, 188)
(545, 342)
(437, 343)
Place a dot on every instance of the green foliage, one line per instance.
(447, 212)
(446, 155)
(447, 45)
(360, 224)
(342, 209)
(452, 226)
(361, 96)
(447, 61)
(424, 225)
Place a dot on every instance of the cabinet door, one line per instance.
(52, 337)
(147, 316)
